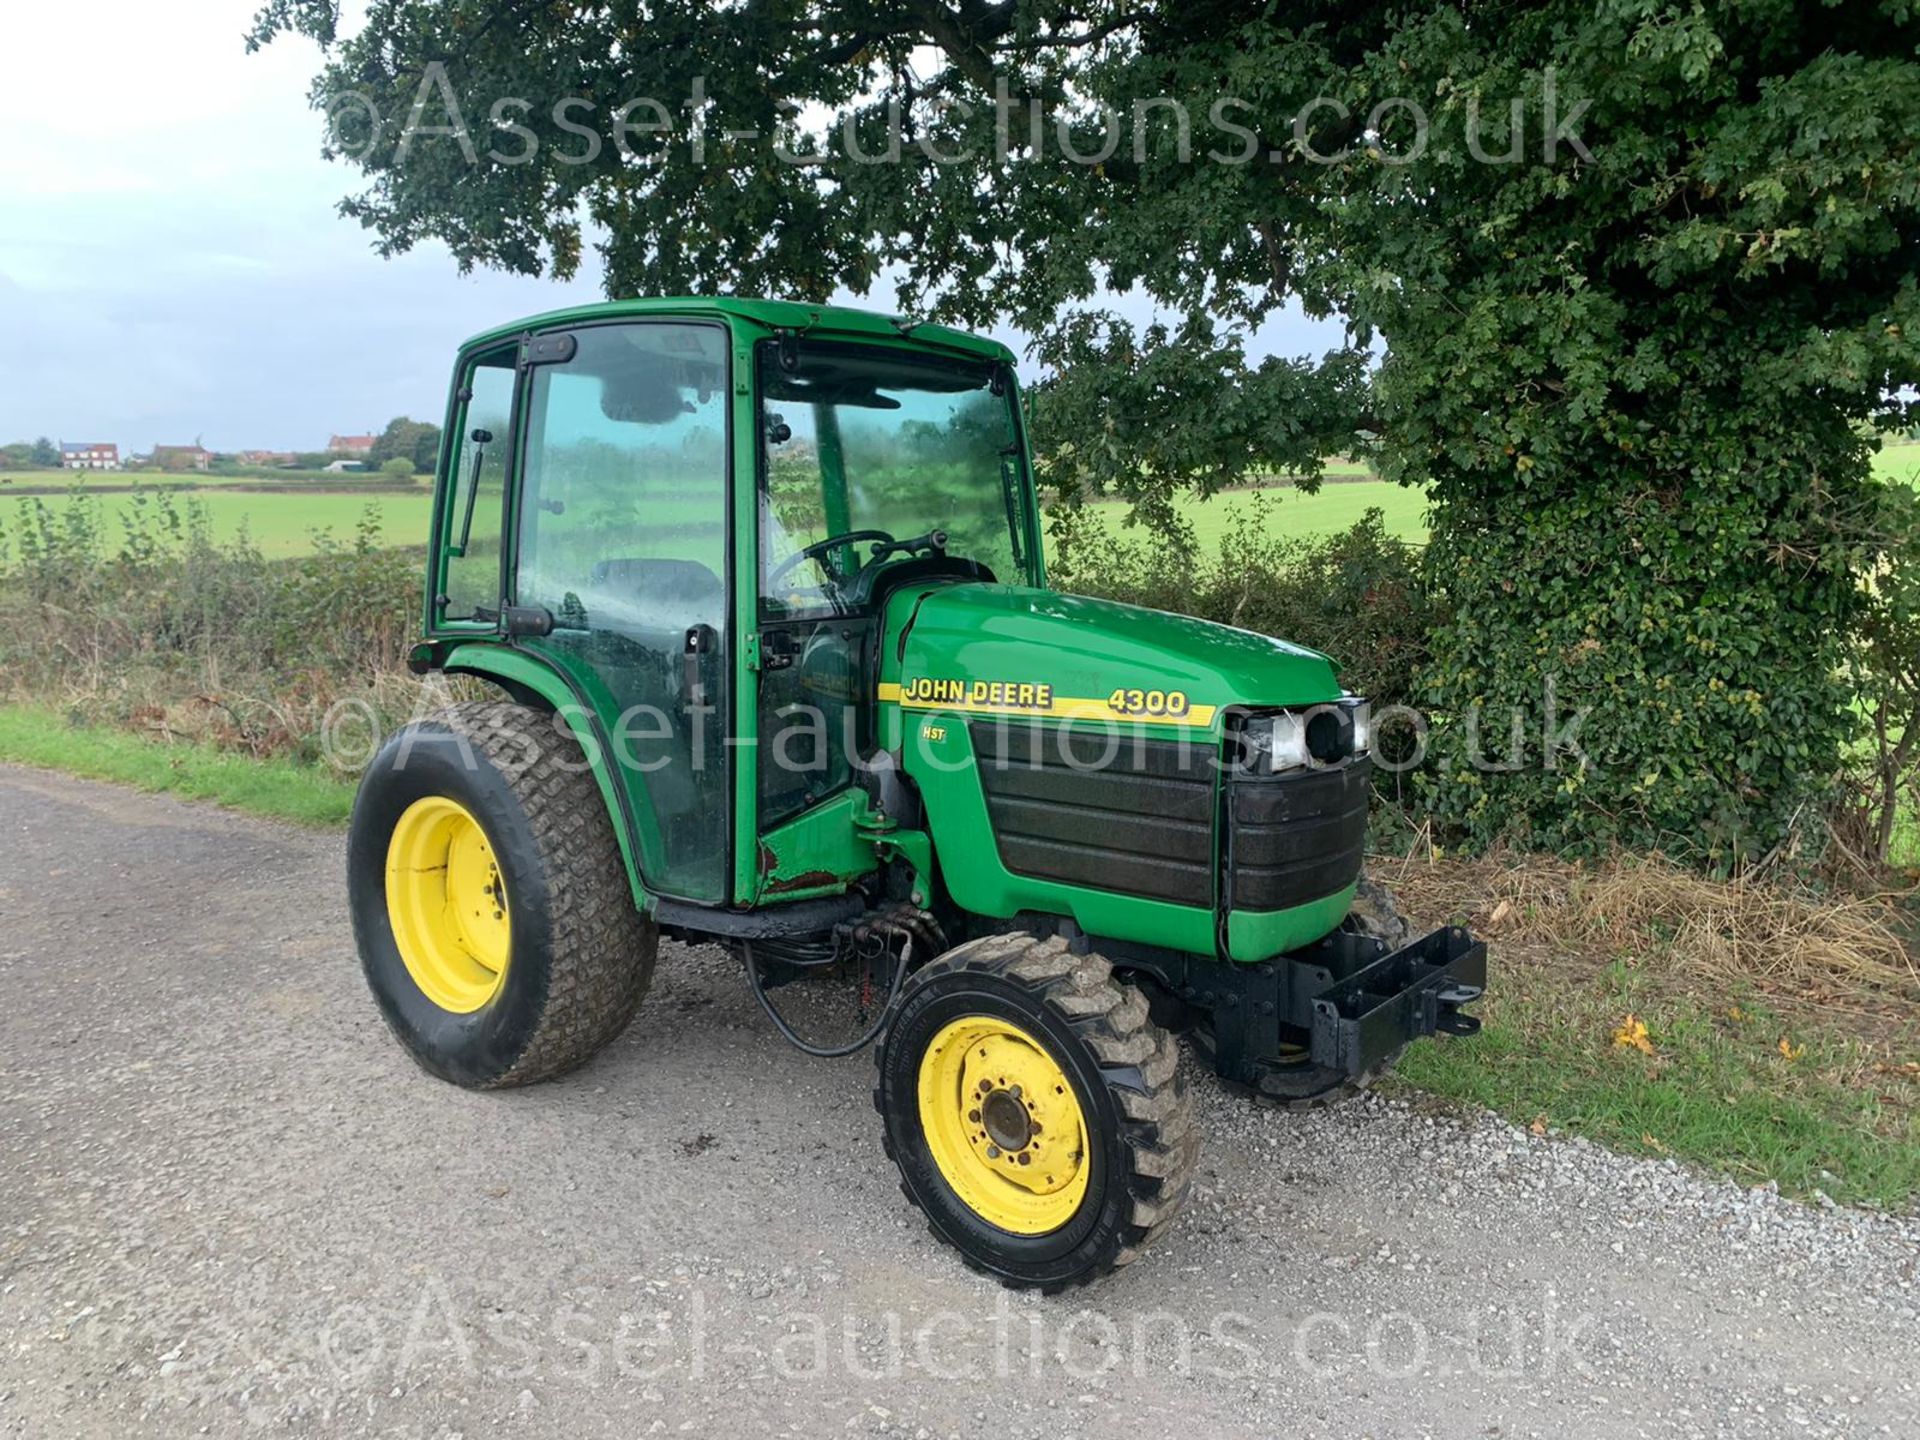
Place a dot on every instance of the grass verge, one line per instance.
(1735, 1087)
(280, 789)
(1769, 1034)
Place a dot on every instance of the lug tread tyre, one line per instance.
(1153, 1108)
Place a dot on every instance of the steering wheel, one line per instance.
(820, 549)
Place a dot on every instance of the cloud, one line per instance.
(172, 263)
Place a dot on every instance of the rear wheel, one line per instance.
(1035, 1112)
(495, 923)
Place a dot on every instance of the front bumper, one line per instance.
(1367, 1015)
(1304, 1024)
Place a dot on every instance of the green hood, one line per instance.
(1084, 657)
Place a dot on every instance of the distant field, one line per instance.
(1899, 462)
(280, 524)
(1338, 506)
(1341, 502)
(282, 520)
(63, 480)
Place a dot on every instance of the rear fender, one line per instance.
(531, 681)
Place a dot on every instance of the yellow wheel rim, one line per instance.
(448, 905)
(1004, 1125)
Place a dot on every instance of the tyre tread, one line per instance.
(603, 948)
(1111, 1018)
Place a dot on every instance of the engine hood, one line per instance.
(1009, 649)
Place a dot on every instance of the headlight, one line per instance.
(1321, 735)
(1288, 747)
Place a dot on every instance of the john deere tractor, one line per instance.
(762, 590)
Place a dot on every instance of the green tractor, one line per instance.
(762, 585)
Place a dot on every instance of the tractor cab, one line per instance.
(692, 515)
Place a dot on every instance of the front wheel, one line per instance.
(1036, 1114)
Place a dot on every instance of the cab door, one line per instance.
(621, 506)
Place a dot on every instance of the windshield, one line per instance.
(868, 452)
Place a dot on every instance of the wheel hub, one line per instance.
(447, 904)
(1004, 1125)
(1006, 1120)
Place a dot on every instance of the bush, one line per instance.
(1883, 776)
(1358, 595)
(163, 627)
(399, 465)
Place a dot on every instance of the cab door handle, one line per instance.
(701, 642)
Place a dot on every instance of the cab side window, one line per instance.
(476, 498)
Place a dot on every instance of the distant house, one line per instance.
(90, 456)
(182, 457)
(353, 447)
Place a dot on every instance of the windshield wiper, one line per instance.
(1010, 492)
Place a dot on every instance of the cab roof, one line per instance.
(769, 315)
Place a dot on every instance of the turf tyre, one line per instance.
(582, 954)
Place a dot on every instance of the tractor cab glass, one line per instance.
(872, 455)
(622, 541)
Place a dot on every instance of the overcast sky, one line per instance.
(171, 266)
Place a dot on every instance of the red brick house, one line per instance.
(353, 447)
(92, 456)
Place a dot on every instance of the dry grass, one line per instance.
(1797, 946)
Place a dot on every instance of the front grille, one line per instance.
(1141, 823)
(1297, 836)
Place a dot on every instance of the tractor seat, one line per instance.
(646, 594)
(647, 580)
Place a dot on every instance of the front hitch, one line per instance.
(1368, 1015)
(1309, 1023)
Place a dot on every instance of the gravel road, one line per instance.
(229, 1205)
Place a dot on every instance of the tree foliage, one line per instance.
(1625, 282)
(414, 441)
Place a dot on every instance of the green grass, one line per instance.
(1341, 502)
(280, 523)
(281, 789)
(1905, 850)
(1338, 506)
(63, 480)
(1717, 1090)
(1899, 462)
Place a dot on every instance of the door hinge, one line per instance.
(753, 649)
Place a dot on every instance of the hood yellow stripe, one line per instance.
(1060, 707)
